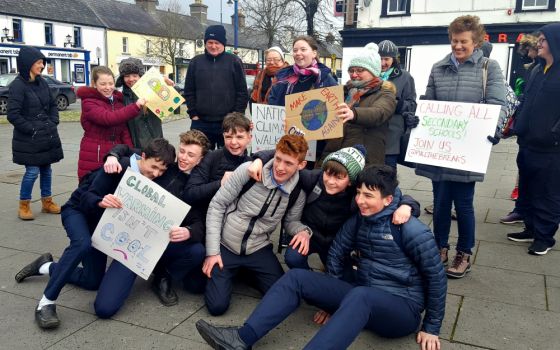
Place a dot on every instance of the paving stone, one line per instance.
(553, 293)
(108, 334)
(6, 252)
(32, 237)
(504, 326)
(511, 287)
(19, 331)
(515, 257)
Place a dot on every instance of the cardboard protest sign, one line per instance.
(268, 128)
(314, 112)
(137, 234)
(160, 98)
(453, 135)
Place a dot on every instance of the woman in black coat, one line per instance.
(35, 143)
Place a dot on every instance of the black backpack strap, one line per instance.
(283, 239)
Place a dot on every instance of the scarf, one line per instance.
(293, 78)
(385, 75)
(269, 71)
(357, 89)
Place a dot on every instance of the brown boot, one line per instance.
(24, 212)
(460, 265)
(49, 206)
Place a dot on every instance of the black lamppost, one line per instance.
(68, 42)
(235, 24)
(6, 37)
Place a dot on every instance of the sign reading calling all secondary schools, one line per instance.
(453, 135)
(137, 234)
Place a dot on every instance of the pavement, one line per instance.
(510, 300)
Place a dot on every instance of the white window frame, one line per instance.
(125, 44)
(390, 13)
(525, 7)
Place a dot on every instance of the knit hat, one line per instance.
(352, 158)
(216, 32)
(277, 49)
(388, 49)
(369, 59)
(128, 66)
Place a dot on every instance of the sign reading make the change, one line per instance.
(268, 128)
(137, 234)
(314, 113)
(453, 135)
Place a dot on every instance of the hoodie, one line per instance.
(538, 123)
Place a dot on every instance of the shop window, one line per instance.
(125, 44)
(77, 37)
(17, 30)
(535, 5)
(48, 34)
(395, 8)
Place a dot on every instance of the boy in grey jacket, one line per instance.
(239, 223)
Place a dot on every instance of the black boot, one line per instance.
(161, 285)
(33, 268)
(46, 317)
(226, 338)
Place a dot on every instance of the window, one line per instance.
(395, 8)
(535, 5)
(148, 47)
(48, 34)
(351, 14)
(125, 44)
(17, 30)
(181, 49)
(77, 37)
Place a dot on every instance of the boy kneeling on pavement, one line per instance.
(240, 221)
(400, 275)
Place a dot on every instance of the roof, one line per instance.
(327, 49)
(247, 37)
(74, 11)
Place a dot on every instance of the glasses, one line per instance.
(541, 41)
(273, 60)
(356, 70)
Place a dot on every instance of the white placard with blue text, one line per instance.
(453, 135)
(137, 234)
(268, 128)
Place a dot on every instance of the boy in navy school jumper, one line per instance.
(80, 216)
(396, 284)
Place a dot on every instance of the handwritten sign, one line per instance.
(453, 135)
(268, 128)
(160, 98)
(137, 234)
(314, 112)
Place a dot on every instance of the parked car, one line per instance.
(63, 92)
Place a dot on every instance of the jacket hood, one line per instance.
(91, 92)
(26, 58)
(552, 34)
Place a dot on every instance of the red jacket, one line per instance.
(104, 126)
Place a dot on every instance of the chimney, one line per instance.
(240, 18)
(200, 11)
(147, 5)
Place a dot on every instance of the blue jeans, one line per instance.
(212, 130)
(352, 308)
(462, 194)
(31, 173)
(295, 260)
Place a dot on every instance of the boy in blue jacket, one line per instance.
(399, 276)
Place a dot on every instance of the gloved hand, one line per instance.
(493, 139)
(411, 120)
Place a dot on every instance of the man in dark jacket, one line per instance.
(538, 160)
(214, 86)
(399, 276)
(80, 216)
(35, 143)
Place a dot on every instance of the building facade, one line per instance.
(419, 29)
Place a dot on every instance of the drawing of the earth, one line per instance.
(314, 114)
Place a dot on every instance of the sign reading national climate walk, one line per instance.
(137, 234)
(160, 98)
(268, 128)
(453, 135)
(314, 113)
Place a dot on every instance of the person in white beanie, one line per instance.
(369, 104)
(274, 60)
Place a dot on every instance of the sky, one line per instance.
(213, 8)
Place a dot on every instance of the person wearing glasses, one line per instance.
(369, 105)
(274, 59)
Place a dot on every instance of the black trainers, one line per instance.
(512, 218)
(46, 317)
(221, 338)
(524, 236)
(538, 248)
(32, 269)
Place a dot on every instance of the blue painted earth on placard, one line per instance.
(314, 114)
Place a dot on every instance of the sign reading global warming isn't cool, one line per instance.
(137, 234)
(453, 135)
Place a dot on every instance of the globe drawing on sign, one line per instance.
(314, 114)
